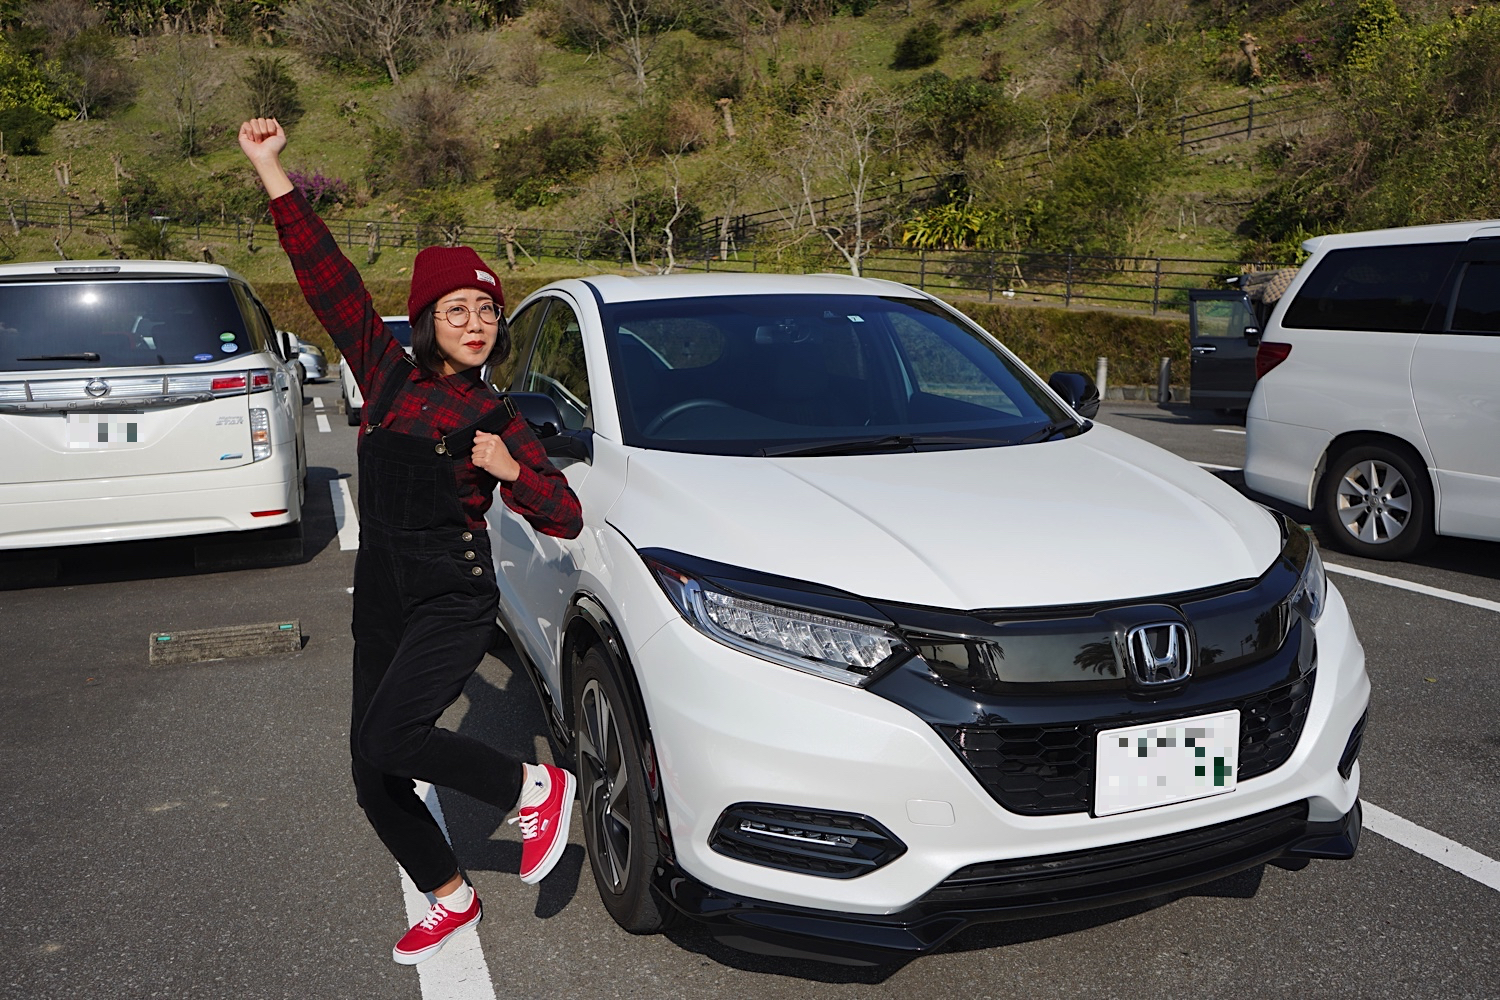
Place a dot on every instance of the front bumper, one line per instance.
(1014, 889)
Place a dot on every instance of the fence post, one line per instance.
(1068, 284)
(1164, 382)
(1250, 121)
(922, 273)
(990, 284)
(1156, 288)
(1182, 142)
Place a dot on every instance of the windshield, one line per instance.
(106, 324)
(817, 374)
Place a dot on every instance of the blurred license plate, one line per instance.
(103, 430)
(1143, 766)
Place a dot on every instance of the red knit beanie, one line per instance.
(440, 270)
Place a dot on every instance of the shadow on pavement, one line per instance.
(110, 562)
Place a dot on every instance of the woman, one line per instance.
(434, 445)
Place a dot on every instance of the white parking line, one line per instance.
(1448, 853)
(317, 402)
(459, 971)
(1211, 467)
(1416, 588)
(323, 424)
(344, 517)
(1228, 430)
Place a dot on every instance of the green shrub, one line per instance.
(533, 166)
(270, 91)
(1101, 191)
(922, 45)
(957, 116)
(150, 238)
(23, 129)
(424, 144)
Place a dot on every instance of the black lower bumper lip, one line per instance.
(1014, 889)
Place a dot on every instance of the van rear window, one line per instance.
(1389, 288)
(107, 324)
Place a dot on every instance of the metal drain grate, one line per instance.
(195, 645)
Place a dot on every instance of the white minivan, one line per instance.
(144, 399)
(1378, 401)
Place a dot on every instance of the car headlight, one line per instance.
(839, 649)
(1310, 595)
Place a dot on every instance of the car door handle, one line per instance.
(1206, 349)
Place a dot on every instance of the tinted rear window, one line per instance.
(1373, 288)
(1478, 307)
(401, 330)
(107, 324)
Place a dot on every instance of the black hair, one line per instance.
(424, 347)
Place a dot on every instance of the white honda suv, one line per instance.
(872, 635)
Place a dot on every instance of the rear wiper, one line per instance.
(80, 356)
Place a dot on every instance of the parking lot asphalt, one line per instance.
(190, 831)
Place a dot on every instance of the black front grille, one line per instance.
(1124, 868)
(808, 841)
(1042, 770)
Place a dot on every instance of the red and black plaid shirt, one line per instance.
(428, 406)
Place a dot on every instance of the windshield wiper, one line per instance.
(1056, 427)
(80, 356)
(890, 442)
(847, 446)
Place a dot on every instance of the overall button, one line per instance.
(467, 536)
(477, 571)
(441, 448)
(469, 554)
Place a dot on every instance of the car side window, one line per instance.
(1477, 306)
(1390, 288)
(1222, 317)
(523, 327)
(557, 366)
(257, 325)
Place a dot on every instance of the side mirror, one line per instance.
(540, 411)
(287, 353)
(1252, 334)
(1077, 390)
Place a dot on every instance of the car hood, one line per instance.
(1102, 516)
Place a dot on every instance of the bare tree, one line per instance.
(841, 142)
(379, 32)
(190, 85)
(623, 31)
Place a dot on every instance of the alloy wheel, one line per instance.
(1374, 502)
(606, 788)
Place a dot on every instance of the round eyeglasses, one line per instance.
(489, 314)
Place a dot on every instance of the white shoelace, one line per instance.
(435, 916)
(529, 822)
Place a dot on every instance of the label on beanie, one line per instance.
(484, 276)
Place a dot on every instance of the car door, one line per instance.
(1223, 356)
(1455, 378)
(538, 574)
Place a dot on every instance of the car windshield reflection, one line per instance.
(791, 375)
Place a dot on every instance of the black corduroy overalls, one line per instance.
(424, 615)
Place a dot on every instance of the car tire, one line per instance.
(1376, 502)
(618, 819)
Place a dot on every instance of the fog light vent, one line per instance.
(1351, 749)
(807, 841)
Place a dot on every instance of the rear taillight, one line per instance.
(228, 383)
(1268, 355)
(260, 434)
(260, 380)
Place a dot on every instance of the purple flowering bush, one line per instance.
(319, 189)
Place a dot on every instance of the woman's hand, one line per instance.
(262, 140)
(491, 455)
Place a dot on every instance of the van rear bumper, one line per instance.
(89, 511)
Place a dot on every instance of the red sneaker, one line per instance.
(544, 827)
(428, 935)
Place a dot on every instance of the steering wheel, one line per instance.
(679, 408)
